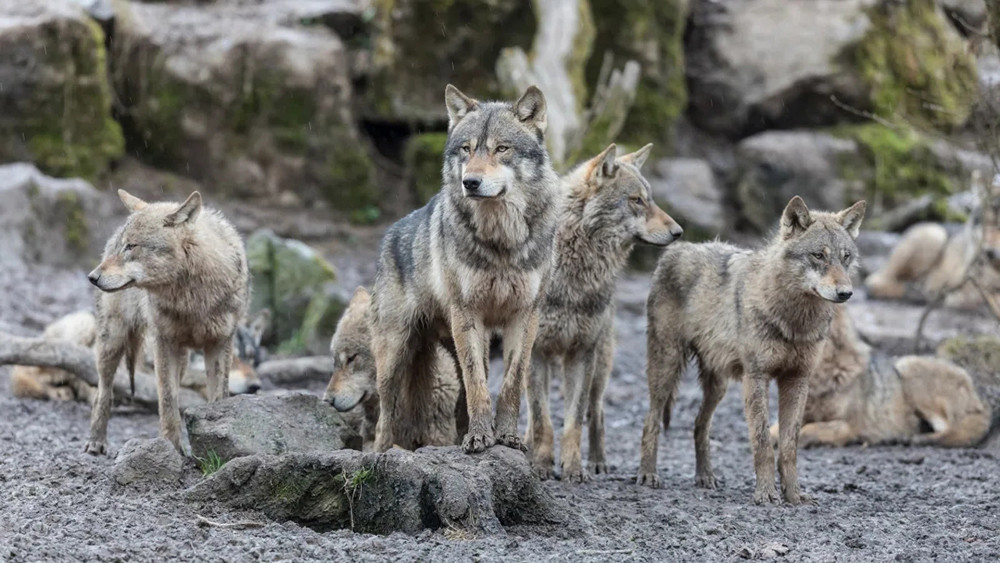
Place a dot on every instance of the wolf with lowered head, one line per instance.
(475, 260)
(752, 316)
(179, 271)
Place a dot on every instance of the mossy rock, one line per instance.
(652, 33)
(424, 157)
(56, 100)
(419, 46)
(916, 66)
(318, 324)
(979, 354)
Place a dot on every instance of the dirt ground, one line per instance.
(873, 503)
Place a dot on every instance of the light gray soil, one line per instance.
(875, 503)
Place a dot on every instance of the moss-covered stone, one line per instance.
(915, 65)
(320, 320)
(979, 354)
(56, 96)
(424, 156)
(419, 46)
(75, 221)
(652, 33)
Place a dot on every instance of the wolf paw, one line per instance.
(544, 472)
(96, 447)
(648, 480)
(599, 467)
(706, 481)
(474, 443)
(766, 493)
(575, 474)
(796, 498)
(511, 441)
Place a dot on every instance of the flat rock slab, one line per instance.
(268, 425)
(399, 490)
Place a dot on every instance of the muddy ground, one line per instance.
(873, 503)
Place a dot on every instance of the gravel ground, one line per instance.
(874, 503)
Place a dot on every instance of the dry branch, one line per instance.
(75, 359)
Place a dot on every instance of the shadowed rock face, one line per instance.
(434, 487)
(267, 425)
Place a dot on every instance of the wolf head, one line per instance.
(143, 253)
(818, 248)
(248, 354)
(353, 378)
(494, 147)
(614, 192)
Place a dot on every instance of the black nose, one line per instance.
(471, 183)
(844, 295)
(253, 388)
(992, 253)
(94, 278)
(677, 233)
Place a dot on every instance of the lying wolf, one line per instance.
(752, 316)
(80, 328)
(474, 260)
(858, 396)
(180, 272)
(607, 209)
(354, 383)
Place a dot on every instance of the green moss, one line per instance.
(423, 157)
(75, 221)
(980, 354)
(915, 67)
(582, 44)
(347, 181)
(651, 33)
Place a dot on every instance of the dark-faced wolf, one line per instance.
(181, 272)
(475, 260)
(751, 316)
(607, 209)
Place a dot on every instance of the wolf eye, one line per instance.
(466, 149)
(638, 201)
(502, 148)
(352, 358)
(818, 255)
(129, 247)
(847, 256)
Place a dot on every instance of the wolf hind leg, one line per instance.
(665, 364)
(393, 351)
(601, 372)
(576, 384)
(713, 388)
(541, 436)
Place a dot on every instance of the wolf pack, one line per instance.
(510, 250)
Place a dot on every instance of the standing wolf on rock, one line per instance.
(474, 260)
(607, 208)
(753, 316)
(181, 272)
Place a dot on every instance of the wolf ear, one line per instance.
(638, 158)
(131, 202)
(603, 166)
(458, 105)
(530, 108)
(851, 218)
(795, 219)
(258, 326)
(188, 211)
(360, 297)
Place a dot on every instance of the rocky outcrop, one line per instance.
(398, 490)
(55, 101)
(267, 425)
(236, 99)
(688, 190)
(143, 463)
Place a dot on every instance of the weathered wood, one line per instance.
(75, 359)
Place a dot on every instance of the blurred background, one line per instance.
(323, 120)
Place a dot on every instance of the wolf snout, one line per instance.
(94, 277)
(471, 184)
(676, 232)
(844, 295)
(253, 388)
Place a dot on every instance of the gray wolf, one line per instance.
(179, 271)
(752, 316)
(80, 328)
(607, 208)
(354, 383)
(856, 395)
(476, 259)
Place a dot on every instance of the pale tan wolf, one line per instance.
(354, 383)
(607, 208)
(475, 259)
(928, 260)
(856, 395)
(752, 316)
(181, 272)
(80, 328)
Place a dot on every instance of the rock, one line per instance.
(320, 320)
(267, 425)
(687, 189)
(408, 78)
(143, 462)
(967, 15)
(46, 220)
(55, 101)
(432, 488)
(778, 165)
(235, 98)
(424, 158)
(891, 326)
(286, 275)
(874, 248)
(748, 71)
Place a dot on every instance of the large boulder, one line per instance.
(267, 425)
(688, 190)
(51, 221)
(418, 47)
(399, 490)
(142, 463)
(761, 64)
(288, 276)
(238, 99)
(55, 101)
